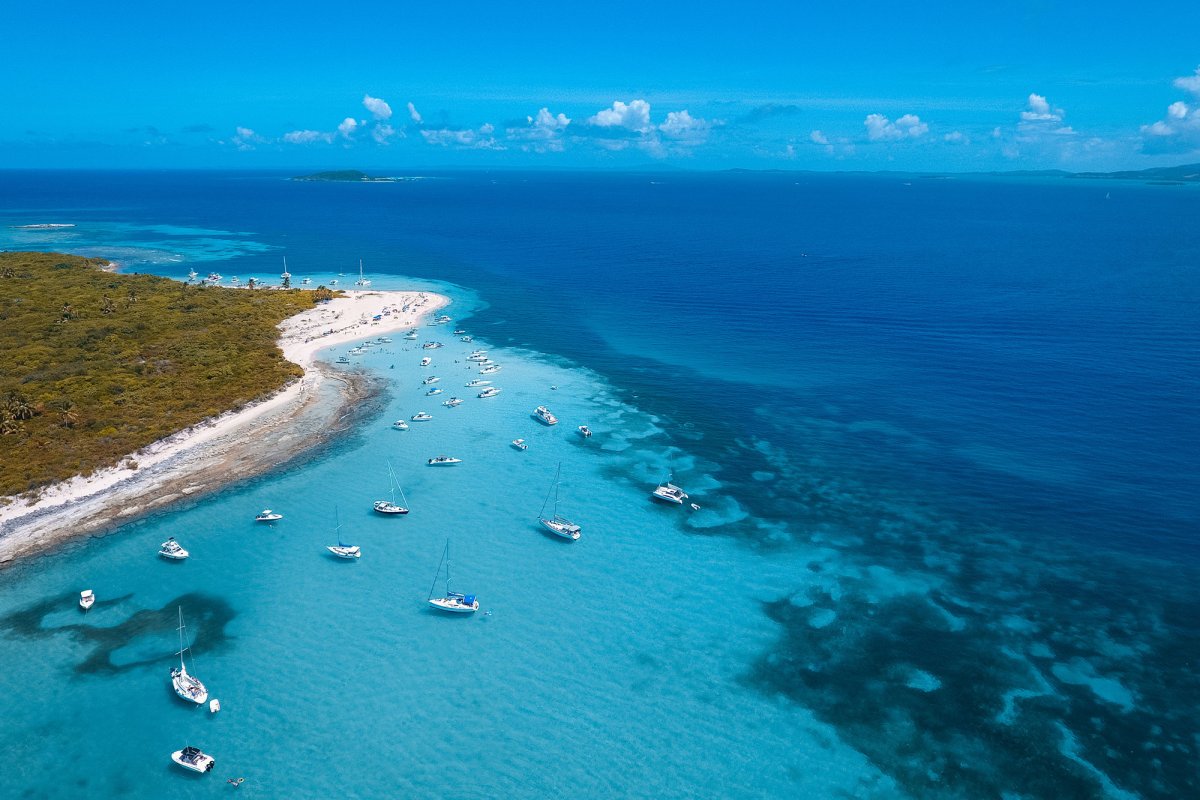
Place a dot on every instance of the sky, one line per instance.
(379, 86)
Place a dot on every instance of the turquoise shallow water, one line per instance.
(943, 434)
(609, 666)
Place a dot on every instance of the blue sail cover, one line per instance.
(469, 600)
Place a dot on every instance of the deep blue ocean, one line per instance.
(942, 432)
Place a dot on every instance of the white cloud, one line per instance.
(682, 126)
(465, 138)
(881, 129)
(818, 138)
(246, 138)
(1039, 110)
(1189, 83)
(307, 137)
(412, 112)
(635, 116)
(542, 133)
(1179, 130)
(956, 137)
(382, 132)
(379, 109)
(347, 127)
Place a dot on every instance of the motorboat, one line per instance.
(481, 357)
(443, 319)
(477, 352)
(443, 461)
(669, 492)
(213, 277)
(400, 425)
(520, 444)
(171, 549)
(87, 599)
(459, 331)
(187, 686)
(426, 361)
(585, 431)
(431, 379)
(490, 391)
(490, 369)
(467, 339)
(306, 281)
(192, 758)
(433, 391)
(343, 360)
(477, 383)
(268, 515)
(431, 345)
(452, 402)
(333, 282)
(543, 415)
(421, 416)
(454, 602)
(411, 335)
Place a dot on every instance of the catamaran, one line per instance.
(557, 524)
(187, 686)
(669, 492)
(390, 507)
(455, 602)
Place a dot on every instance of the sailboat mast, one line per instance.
(180, 630)
(432, 586)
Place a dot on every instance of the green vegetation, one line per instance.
(341, 175)
(95, 365)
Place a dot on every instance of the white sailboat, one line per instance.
(390, 507)
(455, 602)
(187, 686)
(361, 280)
(555, 523)
(287, 276)
(341, 549)
(669, 492)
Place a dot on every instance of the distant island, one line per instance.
(1184, 173)
(343, 175)
(1163, 176)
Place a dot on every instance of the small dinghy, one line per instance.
(87, 599)
(214, 705)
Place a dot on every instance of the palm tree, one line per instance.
(18, 407)
(8, 425)
(68, 413)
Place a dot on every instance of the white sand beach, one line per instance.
(220, 450)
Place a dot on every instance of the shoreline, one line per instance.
(219, 451)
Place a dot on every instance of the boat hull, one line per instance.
(454, 607)
(344, 552)
(566, 530)
(202, 763)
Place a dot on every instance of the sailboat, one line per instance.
(361, 280)
(556, 524)
(287, 276)
(455, 602)
(669, 492)
(340, 549)
(390, 507)
(187, 686)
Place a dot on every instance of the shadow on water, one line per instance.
(207, 617)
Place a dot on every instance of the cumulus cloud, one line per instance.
(881, 129)
(347, 127)
(412, 112)
(542, 133)
(1040, 119)
(1179, 129)
(307, 137)
(635, 116)
(383, 133)
(1189, 83)
(246, 138)
(683, 127)
(956, 137)
(464, 138)
(379, 109)
(818, 138)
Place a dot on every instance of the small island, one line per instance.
(344, 175)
